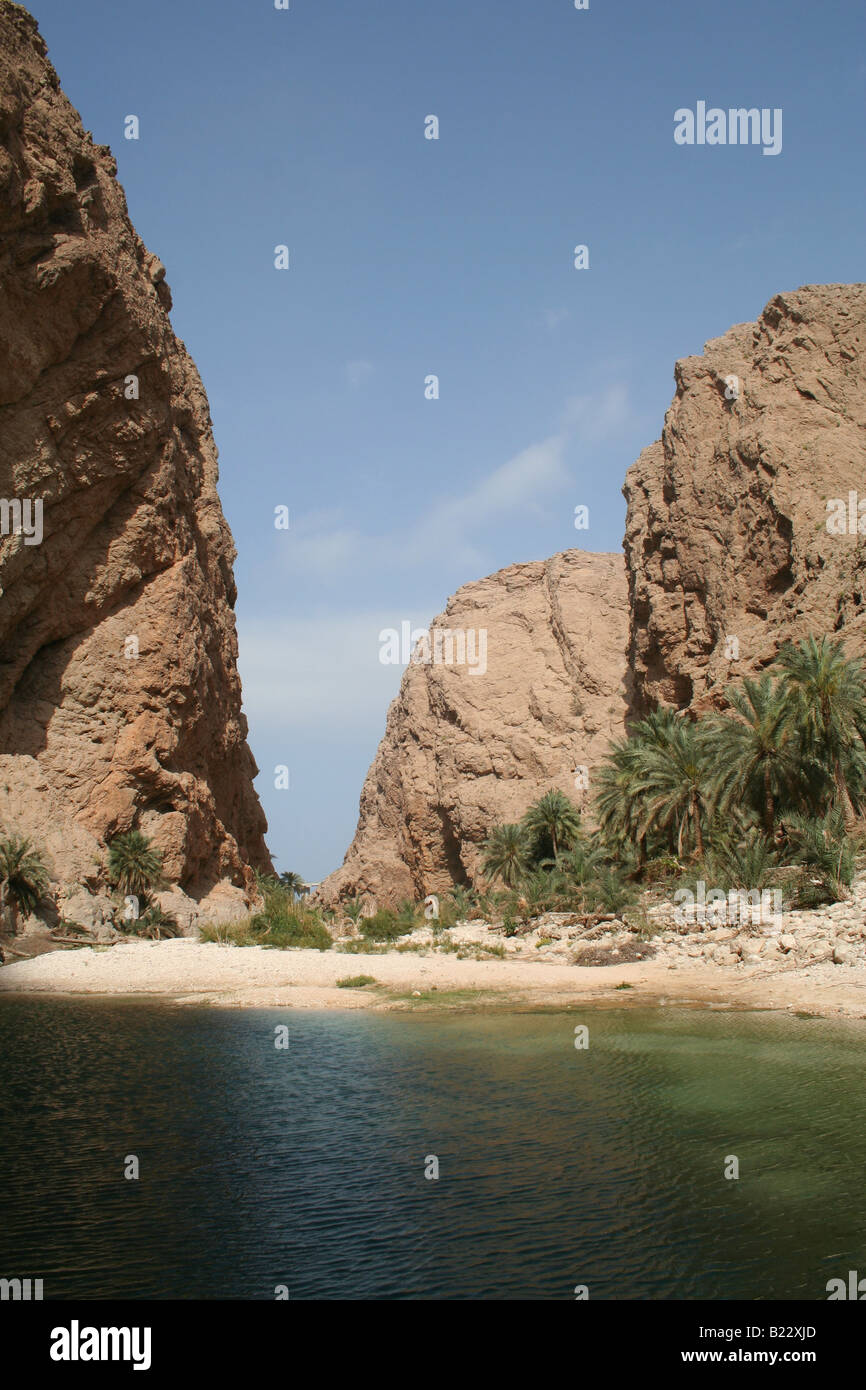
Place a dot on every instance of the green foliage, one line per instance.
(134, 866)
(409, 916)
(747, 859)
(755, 758)
(539, 892)
(506, 854)
(551, 824)
(827, 702)
(284, 924)
(460, 905)
(153, 923)
(356, 981)
(385, 925)
(824, 850)
(353, 908)
(743, 794)
(611, 891)
(23, 879)
(293, 884)
(662, 869)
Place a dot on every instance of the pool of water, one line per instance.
(304, 1167)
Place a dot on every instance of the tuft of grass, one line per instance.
(228, 933)
(625, 985)
(282, 925)
(386, 925)
(356, 981)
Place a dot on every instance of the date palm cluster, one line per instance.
(777, 778)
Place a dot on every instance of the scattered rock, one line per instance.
(843, 954)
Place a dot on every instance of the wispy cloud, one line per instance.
(318, 673)
(324, 546)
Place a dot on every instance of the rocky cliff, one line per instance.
(120, 702)
(742, 532)
(467, 745)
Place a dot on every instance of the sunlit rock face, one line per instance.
(120, 702)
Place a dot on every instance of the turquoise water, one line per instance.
(305, 1167)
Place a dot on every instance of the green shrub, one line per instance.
(154, 924)
(385, 925)
(356, 981)
(360, 947)
(299, 928)
(822, 847)
(610, 892)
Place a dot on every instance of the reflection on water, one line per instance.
(305, 1167)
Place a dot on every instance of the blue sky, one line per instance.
(411, 257)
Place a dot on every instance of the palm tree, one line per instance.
(656, 781)
(23, 879)
(134, 866)
(742, 856)
(665, 774)
(827, 705)
(554, 819)
(538, 891)
(353, 907)
(293, 883)
(506, 854)
(821, 845)
(755, 757)
(580, 865)
(617, 805)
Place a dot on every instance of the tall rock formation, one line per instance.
(465, 748)
(737, 538)
(120, 702)
(727, 542)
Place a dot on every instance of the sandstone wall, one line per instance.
(727, 555)
(464, 750)
(135, 548)
(726, 535)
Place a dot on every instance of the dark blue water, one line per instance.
(305, 1168)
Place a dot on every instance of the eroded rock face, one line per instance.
(738, 538)
(727, 536)
(120, 701)
(464, 750)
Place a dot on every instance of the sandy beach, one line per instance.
(192, 972)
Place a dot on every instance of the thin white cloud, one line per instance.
(590, 419)
(323, 546)
(317, 673)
